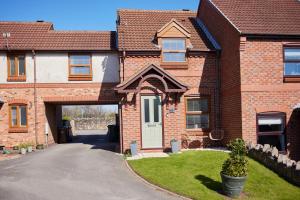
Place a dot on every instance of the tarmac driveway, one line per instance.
(83, 170)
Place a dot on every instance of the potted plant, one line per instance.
(39, 146)
(16, 148)
(133, 148)
(29, 147)
(23, 148)
(174, 146)
(235, 169)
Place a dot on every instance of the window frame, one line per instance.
(273, 133)
(168, 63)
(17, 77)
(197, 112)
(18, 127)
(80, 77)
(290, 78)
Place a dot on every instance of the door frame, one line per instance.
(162, 121)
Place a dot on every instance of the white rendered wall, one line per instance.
(53, 68)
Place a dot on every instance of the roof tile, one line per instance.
(137, 28)
(274, 17)
(41, 36)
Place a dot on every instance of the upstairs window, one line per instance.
(197, 113)
(173, 50)
(16, 68)
(292, 62)
(80, 67)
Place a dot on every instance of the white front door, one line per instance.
(151, 121)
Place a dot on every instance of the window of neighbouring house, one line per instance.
(80, 67)
(270, 129)
(173, 50)
(292, 61)
(197, 113)
(16, 67)
(18, 116)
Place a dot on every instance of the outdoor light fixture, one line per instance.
(1, 101)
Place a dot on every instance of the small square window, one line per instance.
(80, 67)
(197, 113)
(174, 50)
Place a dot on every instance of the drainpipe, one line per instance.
(218, 91)
(35, 97)
(121, 128)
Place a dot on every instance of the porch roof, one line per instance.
(151, 71)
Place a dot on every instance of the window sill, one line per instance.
(198, 130)
(18, 130)
(16, 79)
(80, 78)
(174, 65)
(291, 79)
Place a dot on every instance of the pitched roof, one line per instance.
(142, 74)
(270, 17)
(137, 28)
(42, 36)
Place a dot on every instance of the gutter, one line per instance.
(35, 98)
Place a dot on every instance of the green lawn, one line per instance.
(195, 174)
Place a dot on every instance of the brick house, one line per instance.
(201, 78)
(168, 79)
(260, 56)
(42, 69)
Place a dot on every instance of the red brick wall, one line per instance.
(228, 38)
(263, 89)
(61, 94)
(201, 79)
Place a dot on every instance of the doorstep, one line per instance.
(148, 155)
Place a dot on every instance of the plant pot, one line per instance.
(29, 149)
(133, 149)
(16, 148)
(233, 186)
(23, 151)
(40, 146)
(175, 146)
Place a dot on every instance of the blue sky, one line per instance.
(82, 14)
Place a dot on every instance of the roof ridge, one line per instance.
(24, 22)
(145, 10)
(80, 31)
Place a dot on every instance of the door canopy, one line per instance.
(134, 84)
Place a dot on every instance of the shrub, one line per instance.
(23, 145)
(237, 164)
(66, 118)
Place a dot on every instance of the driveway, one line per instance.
(83, 170)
